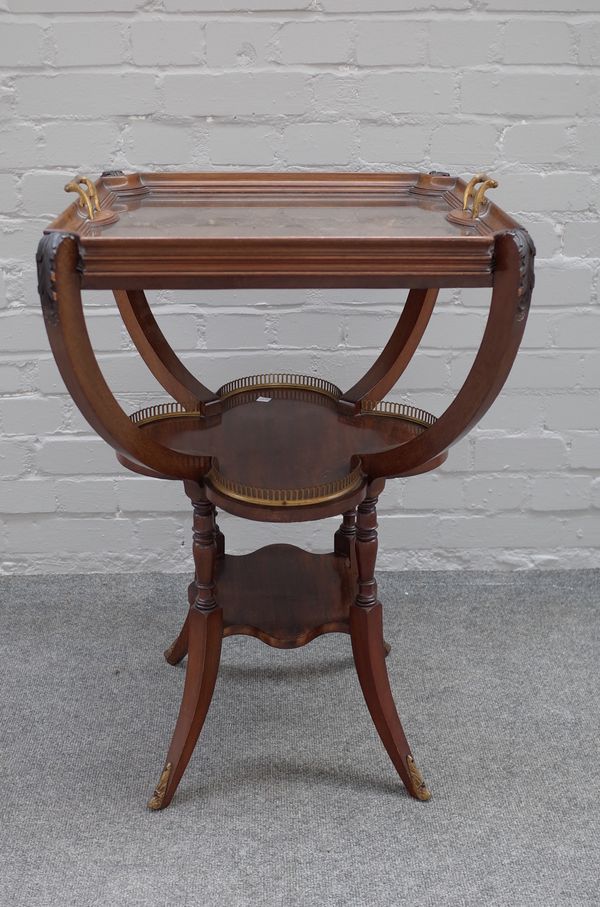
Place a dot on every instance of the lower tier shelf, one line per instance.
(285, 596)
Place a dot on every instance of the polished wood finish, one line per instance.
(399, 350)
(346, 535)
(203, 635)
(368, 648)
(157, 354)
(309, 450)
(205, 632)
(282, 230)
(285, 596)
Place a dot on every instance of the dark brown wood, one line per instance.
(219, 539)
(156, 352)
(177, 651)
(399, 350)
(366, 633)
(204, 547)
(205, 631)
(513, 286)
(285, 596)
(282, 595)
(264, 441)
(366, 552)
(59, 270)
(346, 535)
(282, 230)
(368, 648)
(285, 448)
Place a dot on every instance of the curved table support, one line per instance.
(59, 273)
(398, 351)
(158, 355)
(511, 295)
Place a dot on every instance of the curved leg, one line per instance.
(398, 351)
(178, 649)
(366, 632)
(204, 637)
(156, 352)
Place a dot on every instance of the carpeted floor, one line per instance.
(289, 798)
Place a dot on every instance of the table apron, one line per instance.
(149, 281)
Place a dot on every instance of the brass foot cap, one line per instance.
(419, 788)
(156, 800)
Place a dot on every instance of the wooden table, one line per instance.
(282, 447)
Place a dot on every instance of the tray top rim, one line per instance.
(216, 188)
(340, 257)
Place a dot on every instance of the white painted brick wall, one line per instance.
(510, 86)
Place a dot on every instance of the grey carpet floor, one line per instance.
(289, 798)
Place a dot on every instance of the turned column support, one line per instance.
(219, 537)
(344, 538)
(178, 649)
(205, 546)
(366, 552)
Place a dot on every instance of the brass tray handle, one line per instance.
(91, 191)
(479, 198)
(470, 188)
(467, 216)
(89, 201)
(85, 199)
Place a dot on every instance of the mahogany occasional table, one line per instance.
(282, 447)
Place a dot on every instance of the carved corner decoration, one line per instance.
(45, 258)
(527, 253)
(420, 789)
(156, 800)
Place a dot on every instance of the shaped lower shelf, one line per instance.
(285, 596)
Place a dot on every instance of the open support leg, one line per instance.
(344, 546)
(204, 634)
(366, 631)
(178, 649)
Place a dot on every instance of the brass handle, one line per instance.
(87, 199)
(470, 188)
(466, 216)
(480, 196)
(84, 199)
(91, 191)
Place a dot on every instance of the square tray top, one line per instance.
(170, 230)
